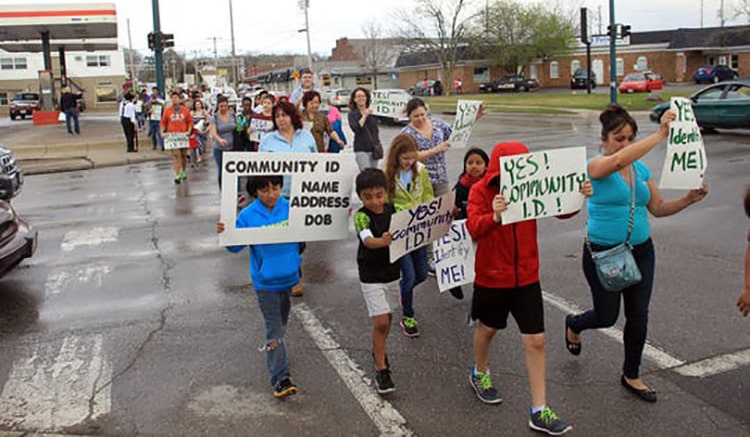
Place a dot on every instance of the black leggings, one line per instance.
(607, 305)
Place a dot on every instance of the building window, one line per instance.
(734, 62)
(481, 74)
(13, 63)
(554, 70)
(4, 98)
(98, 61)
(532, 72)
(575, 64)
(641, 63)
(620, 67)
(722, 60)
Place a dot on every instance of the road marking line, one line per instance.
(89, 237)
(662, 359)
(48, 392)
(385, 417)
(57, 281)
(715, 365)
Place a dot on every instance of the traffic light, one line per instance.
(167, 40)
(584, 26)
(612, 30)
(151, 40)
(624, 30)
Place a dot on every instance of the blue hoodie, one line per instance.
(273, 267)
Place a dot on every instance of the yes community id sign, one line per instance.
(388, 104)
(421, 225)
(454, 257)
(542, 184)
(466, 116)
(686, 162)
(319, 196)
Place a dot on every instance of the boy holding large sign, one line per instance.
(507, 281)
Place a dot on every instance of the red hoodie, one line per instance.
(507, 256)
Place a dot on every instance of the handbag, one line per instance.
(615, 267)
(377, 151)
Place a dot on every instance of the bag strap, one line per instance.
(631, 214)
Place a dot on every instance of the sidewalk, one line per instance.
(49, 149)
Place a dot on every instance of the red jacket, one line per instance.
(507, 256)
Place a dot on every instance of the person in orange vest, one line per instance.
(177, 119)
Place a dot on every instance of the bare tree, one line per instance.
(375, 51)
(439, 26)
(741, 9)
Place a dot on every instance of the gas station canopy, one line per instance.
(87, 26)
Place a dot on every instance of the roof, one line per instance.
(429, 57)
(713, 37)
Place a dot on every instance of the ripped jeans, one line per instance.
(275, 306)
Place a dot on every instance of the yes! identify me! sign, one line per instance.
(454, 257)
(686, 162)
(542, 184)
(466, 116)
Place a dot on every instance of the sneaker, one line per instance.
(284, 388)
(183, 175)
(177, 179)
(383, 382)
(547, 421)
(409, 327)
(431, 268)
(483, 387)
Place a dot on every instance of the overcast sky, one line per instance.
(271, 26)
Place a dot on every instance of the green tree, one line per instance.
(511, 35)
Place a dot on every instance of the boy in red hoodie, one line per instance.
(507, 281)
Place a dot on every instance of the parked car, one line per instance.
(509, 83)
(23, 104)
(579, 79)
(714, 73)
(422, 88)
(725, 105)
(644, 82)
(18, 240)
(339, 97)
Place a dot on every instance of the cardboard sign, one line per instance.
(388, 103)
(686, 162)
(454, 257)
(259, 128)
(421, 225)
(466, 116)
(319, 197)
(542, 184)
(156, 111)
(175, 141)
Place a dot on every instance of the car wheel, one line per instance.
(522, 88)
(23, 116)
(716, 79)
(12, 116)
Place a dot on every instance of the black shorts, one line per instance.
(492, 305)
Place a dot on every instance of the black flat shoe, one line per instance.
(573, 348)
(457, 292)
(647, 394)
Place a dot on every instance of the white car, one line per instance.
(339, 97)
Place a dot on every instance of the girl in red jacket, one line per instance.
(507, 281)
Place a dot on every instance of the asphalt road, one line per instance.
(130, 319)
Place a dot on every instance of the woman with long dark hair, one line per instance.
(365, 128)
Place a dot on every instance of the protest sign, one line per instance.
(387, 103)
(156, 111)
(454, 257)
(542, 184)
(175, 140)
(259, 128)
(466, 116)
(686, 162)
(420, 225)
(319, 196)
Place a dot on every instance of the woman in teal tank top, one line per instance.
(608, 211)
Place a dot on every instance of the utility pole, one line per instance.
(307, 31)
(130, 55)
(612, 54)
(216, 60)
(722, 20)
(234, 59)
(158, 58)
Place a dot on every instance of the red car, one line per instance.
(641, 83)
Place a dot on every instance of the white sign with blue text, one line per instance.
(466, 116)
(420, 225)
(454, 257)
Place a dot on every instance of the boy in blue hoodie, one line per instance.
(274, 269)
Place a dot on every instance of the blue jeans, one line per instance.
(606, 309)
(219, 158)
(154, 131)
(275, 307)
(72, 113)
(413, 272)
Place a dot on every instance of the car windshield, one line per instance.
(739, 92)
(634, 77)
(581, 72)
(26, 96)
(711, 94)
